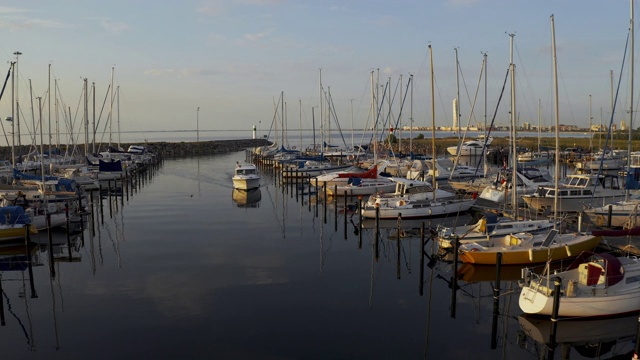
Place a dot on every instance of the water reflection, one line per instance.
(247, 198)
(601, 338)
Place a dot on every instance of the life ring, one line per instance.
(401, 203)
(599, 220)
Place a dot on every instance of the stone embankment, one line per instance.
(166, 149)
(181, 149)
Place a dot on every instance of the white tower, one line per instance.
(456, 125)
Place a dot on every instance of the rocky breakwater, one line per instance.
(184, 149)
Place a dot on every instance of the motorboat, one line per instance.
(528, 180)
(471, 147)
(576, 192)
(594, 284)
(625, 213)
(246, 177)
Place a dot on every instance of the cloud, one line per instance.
(211, 8)
(159, 72)
(461, 3)
(254, 37)
(15, 18)
(11, 10)
(114, 27)
(261, 2)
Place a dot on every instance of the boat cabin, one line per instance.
(581, 185)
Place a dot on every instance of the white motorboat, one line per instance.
(576, 192)
(246, 177)
(592, 285)
(359, 186)
(445, 170)
(471, 147)
(528, 181)
(625, 213)
(310, 168)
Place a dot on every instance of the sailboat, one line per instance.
(623, 213)
(527, 248)
(391, 208)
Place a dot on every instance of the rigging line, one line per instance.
(455, 163)
(493, 119)
(1, 93)
(403, 101)
(332, 111)
(471, 112)
(615, 101)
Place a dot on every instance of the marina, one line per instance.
(156, 265)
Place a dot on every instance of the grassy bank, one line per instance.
(423, 146)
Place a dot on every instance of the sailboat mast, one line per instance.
(85, 118)
(433, 125)
(111, 109)
(118, 110)
(49, 106)
(514, 152)
(411, 118)
(457, 107)
(375, 120)
(629, 147)
(557, 115)
(539, 122)
(590, 126)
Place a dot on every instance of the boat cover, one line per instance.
(613, 267)
(14, 215)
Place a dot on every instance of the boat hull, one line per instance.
(568, 204)
(515, 255)
(418, 210)
(246, 183)
(534, 302)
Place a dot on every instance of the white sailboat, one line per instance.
(417, 208)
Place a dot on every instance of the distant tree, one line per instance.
(420, 136)
(392, 139)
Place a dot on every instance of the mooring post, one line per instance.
(454, 278)
(325, 202)
(66, 215)
(317, 200)
(335, 208)
(359, 221)
(101, 207)
(636, 352)
(422, 253)
(52, 269)
(2, 321)
(398, 246)
(557, 283)
(496, 302)
(345, 215)
(110, 201)
(609, 216)
(377, 230)
(27, 247)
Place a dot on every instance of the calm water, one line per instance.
(182, 270)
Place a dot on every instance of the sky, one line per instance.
(224, 64)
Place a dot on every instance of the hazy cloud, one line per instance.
(114, 27)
